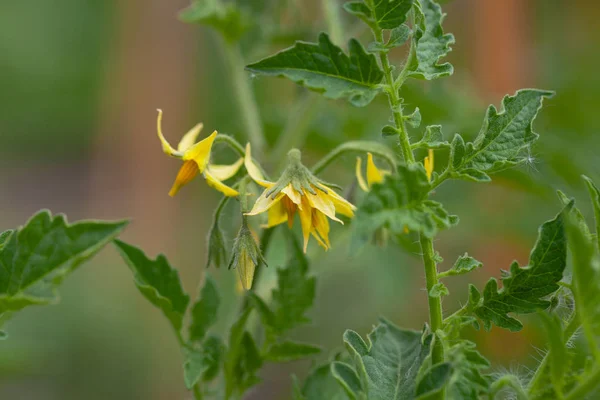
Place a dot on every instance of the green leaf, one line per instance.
(390, 14)
(325, 68)
(291, 351)
(389, 130)
(360, 10)
(433, 138)
(204, 312)
(431, 43)
(414, 119)
(586, 281)
(347, 378)
(157, 281)
(204, 362)
(400, 203)
(463, 265)
(4, 237)
(217, 252)
(399, 36)
(439, 290)
(35, 258)
(243, 359)
(558, 353)
(321, 385)
(525, 289)
(434, 380)
(467, 381)
(595, 196)
(224, 18)
(388, 363)
(504, 137)
(295, 291)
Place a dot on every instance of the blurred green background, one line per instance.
(80, 82)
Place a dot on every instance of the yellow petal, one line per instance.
(374, 175)
(428, 163)
(277, 214)
(246, 270)
(263, 203)
(321, 226)
(322, 202)
(306, 221)
(189, 138)
(342, 206)
(220, 186)
(293, 194)
(359, 175)
(253, 170)
(186, 173)
(167, 149)
(224, 172)
(200, 152)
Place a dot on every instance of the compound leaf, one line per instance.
(157, 281)
(325, 68)
(431, 43)
(321, 385)
(204, 312)
(35, 258)
(400, 204)
(467, 382)
(388, 363)
(525, 289)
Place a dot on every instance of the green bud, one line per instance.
(296, 174)
(246, 255)
(217, 253)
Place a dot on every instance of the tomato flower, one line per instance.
(196, 159)
(298, 191)
(374, 174)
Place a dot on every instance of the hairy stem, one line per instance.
(435, 303)
(508, 381)
(245, 97)
(570, 330)
(394, 100)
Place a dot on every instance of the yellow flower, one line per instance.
(428, 164)
(374, 174)
(196, 159)
(298, 191)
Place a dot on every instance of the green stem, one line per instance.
(357, 146)
(510, 381)
(244, 96)
(197, 392)
(232, 143)
(588, 385)
(435, 303)
(331, 9)
(570, 330)
(394, 100)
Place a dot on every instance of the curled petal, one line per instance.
(224, 172)
(342, 206)
(293, 194)
(305, 220)
(167, 149)
(186, 173)
(359, 176)
(220, 186)
(263, 203)
(428, 163)
(374, 175)
(189, 138)
(200, 152)
(254, 171)
(321, 228)
(277, 214)
(322, 202)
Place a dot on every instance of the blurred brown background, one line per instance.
(80, 82)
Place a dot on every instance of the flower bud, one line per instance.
(246, 255)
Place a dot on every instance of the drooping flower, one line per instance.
(428, 164)
(196, 159)
(374, 174)
(298, 191)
